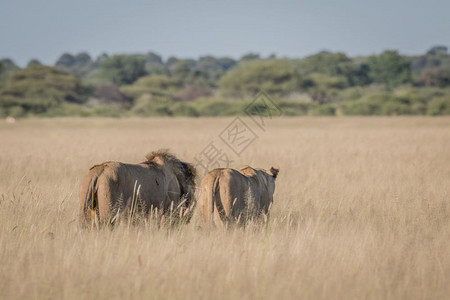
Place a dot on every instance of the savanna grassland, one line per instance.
(361, 211)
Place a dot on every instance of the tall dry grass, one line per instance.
(362, 211)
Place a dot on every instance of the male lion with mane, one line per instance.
(231, 196)
(114, 189)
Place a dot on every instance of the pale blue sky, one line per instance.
(44, 29)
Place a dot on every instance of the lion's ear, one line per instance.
(275, 170)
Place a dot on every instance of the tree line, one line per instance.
(325, 83)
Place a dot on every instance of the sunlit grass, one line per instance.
(361, 211)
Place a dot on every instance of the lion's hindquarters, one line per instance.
(89, 196)
(221, 198)
(229, 196)
(108, 198)
(231, 201)
(205, 200)
(162, 182)
(103, 193)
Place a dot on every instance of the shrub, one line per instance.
(148, 105)
(275, 76)
(67, 109)
(393, 108)
(123, 69)
(157, 85)
(324, 110)
(294, 108)
(16, 111)
(110, 94)
(216, 107)
(39, 88)
(184, 110)
(439, 106)
(366, 106)
(192, 92)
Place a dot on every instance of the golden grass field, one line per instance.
(361, 211)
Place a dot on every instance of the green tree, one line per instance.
(389, 68)
(7, 66)
(334, 65)
(215, 65)
(438, 77)
(439, 106)
(250, 56)
(438, 50)
(323, 62)
(276, 76)
(226, 63)
(324, 88)
(33, 62)
(211, 69)
(154, 64)
(155, 85)
(123, 69)
(80, 64)
(38, 88)
(171, 60)
(181, 69)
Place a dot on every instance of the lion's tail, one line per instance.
(207, 198)
(89, 197)
(214, 201)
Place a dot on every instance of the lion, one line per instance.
(229, 196)
(114, 189)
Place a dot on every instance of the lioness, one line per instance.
(113, 189)
(227, 195)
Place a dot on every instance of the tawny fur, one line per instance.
(228, 195)
(107, 189)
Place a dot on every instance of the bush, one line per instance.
(184, 110)
(439, 106)
(107, 111)
(66, 110)
(212, 107)
(366, 106)
(157, 85)
(193, 91)
(294, 108)
(123, 69)
(110, 94)
(275, 76)
(324, 110)
(69, 109)
(148, 105)
(39, 88)
(394, 108)
(142, 106)
(389, 68)
(16, 111)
